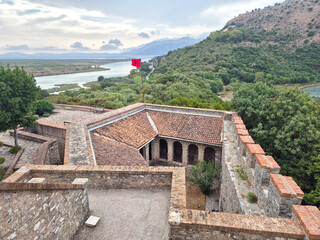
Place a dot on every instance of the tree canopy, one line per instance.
(18, 94)
(287, 125)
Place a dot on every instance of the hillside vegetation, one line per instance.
(278, 44)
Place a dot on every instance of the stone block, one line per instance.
(308, 217)
(37, 180)
(92, 221)
(83, 181)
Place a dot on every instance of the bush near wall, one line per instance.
(43, 107)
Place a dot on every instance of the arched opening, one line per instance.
(177, 152)
(209, 154)
(163, 149)
(150, 151)
(141, 152)
(192, 154)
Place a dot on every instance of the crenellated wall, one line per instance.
(276, 193)
(184, 223)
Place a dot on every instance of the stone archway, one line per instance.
(192, 154)
(177, 152)
(209, 154)
(150, 151)
(163, 149)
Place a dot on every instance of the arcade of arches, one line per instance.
(180, 152)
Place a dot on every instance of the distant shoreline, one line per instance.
(69, 72)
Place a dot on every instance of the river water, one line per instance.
(314, 91)
(118, 69)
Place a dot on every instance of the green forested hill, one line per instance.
(279, 44)
(260, 45)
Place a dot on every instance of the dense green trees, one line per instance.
(241, 54)
(197, 90)
(18, 94)
(287, 125)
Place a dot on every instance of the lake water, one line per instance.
(118, 69)
(314, 91)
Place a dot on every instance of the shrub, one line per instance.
(2, 160)
(1, 144)
(229, 88)
(43, 106)
(311, 34)
(46, 114)
(14, 150)
(242, 174)
(203, 174)
(252, 198)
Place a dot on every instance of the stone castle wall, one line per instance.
(40, 211)
(55, 131)
(184, 223)
(112, 179)
(276, 193)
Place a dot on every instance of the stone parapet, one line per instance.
(286, 186)
(283, 193)
(42, 211)
(184, 223)
(265, 166)
(268, 162)
(81, 108)
(276, 196)
(195, 224)
(242, 144)
(309, 219)
(241, 132)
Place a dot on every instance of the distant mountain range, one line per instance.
(155, 48)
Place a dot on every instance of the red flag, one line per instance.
(136, 62)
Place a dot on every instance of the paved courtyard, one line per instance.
(128, 214)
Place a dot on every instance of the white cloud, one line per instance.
(56, 25)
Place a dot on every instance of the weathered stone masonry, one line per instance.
(42, 211)
(276, 193)
(287, 220)
(184, 223)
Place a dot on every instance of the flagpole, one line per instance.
(137, 64)
(142, 85)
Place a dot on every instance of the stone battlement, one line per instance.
(54, 198)
(195, 224)
(276, 193)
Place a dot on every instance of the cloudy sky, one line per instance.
(110, 26)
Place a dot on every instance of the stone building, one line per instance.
(123, 150)
(158, 135)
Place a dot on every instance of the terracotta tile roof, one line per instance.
(110, 152)
(192, 127)
(134, 130)
(119, 140)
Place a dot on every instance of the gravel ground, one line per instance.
(128, 214)
(30, 149)
(4, 152)
(59, 116)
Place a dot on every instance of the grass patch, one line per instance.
(14, 150)
(2, 160)
(3, 172)
(252, 198)
(63, 87)
(242, 174)
(1, 144)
